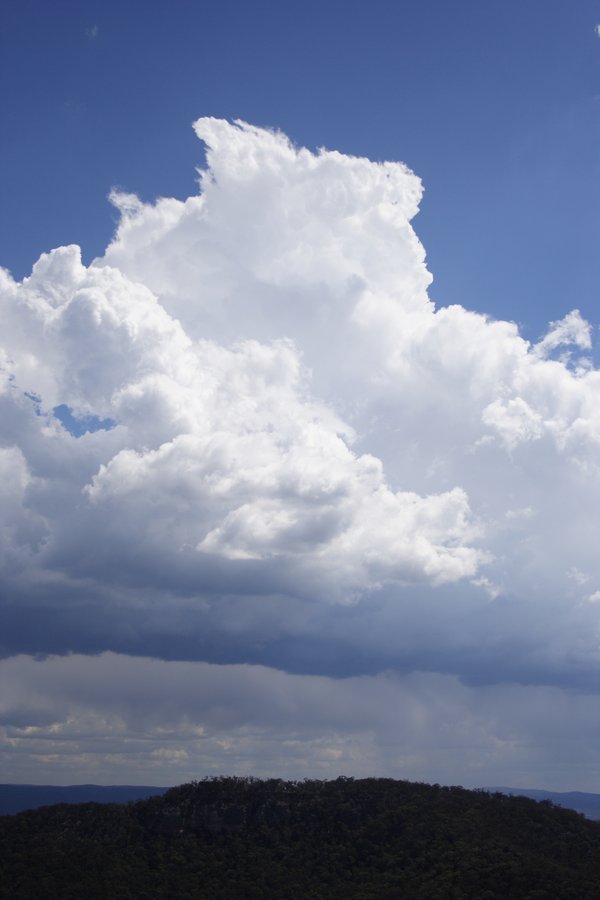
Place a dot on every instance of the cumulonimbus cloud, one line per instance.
(275, 409)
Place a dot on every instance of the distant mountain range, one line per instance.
(588, 804)
(15, 798)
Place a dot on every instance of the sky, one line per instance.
(299, 392)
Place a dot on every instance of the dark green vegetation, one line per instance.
(230, 838)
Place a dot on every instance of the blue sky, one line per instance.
(272, 500)
(494, 105)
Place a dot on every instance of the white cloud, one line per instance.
(515, 421)
(310, 467)
(571, 331)
(218, 449)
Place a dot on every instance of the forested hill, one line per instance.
(229, 838)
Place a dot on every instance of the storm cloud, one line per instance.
(245, 448)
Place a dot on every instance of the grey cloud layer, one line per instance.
(299, 462)
(140, 720)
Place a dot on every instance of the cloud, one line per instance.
(140, 720)
(245, 435)
(572, 331)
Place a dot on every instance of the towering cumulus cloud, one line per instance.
(243, 448)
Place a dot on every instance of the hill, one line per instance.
(230, 838)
